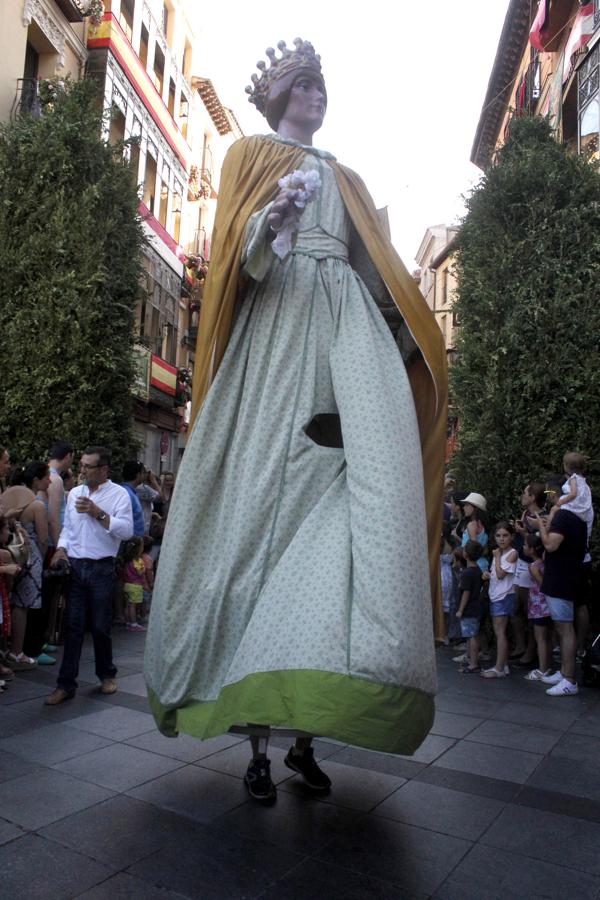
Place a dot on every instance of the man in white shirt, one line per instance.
(97, 518)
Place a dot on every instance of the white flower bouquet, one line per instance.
(305, 186)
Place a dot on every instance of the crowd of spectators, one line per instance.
(45, 540)
(519, 592)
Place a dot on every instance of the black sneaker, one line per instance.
(258, 781)
(304, 763)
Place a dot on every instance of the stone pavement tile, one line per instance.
(588, 723)
(12, 766)
(133, 684)
(214, 864)
(79, 705)
(493, 762)
(314, 879)
(515, 736)
(440, 809)
(467, 783)
(581, 747)
(493, 874)
(234, 761)
(35, 869)
(118, 832)
(8, 832)
(558, 773)
(304, 824)
(562, 804)
(580, 703)
(454, 702)
(127, 701)
(48, 743)
(33, 801)
(193, 792)
(126, 887)
(575, 843)
(354, 788)
(184, 747)
(452, 725)
(23, 689)
(14, 720)
(414, 858)
(432, 747)
(558, 718)
(118, 766)
(387, 763)
(117, 723)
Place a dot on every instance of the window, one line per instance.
(144, 40)
(159, 69)
(164, 204)
(134, 152)
(171, 101)
(176, 210)
(126, 17)
(590, 129)
(168, 17)
(186, 60)
(116, 131)
(149, 182)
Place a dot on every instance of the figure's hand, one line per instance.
(519, 527)
(496, 553)
(283, 208)
(485, 576)
(459, 614)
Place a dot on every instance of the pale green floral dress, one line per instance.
(292, 572)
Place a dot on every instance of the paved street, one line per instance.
(501, 801)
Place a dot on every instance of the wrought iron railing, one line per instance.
(27, 98)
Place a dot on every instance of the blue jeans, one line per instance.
(90, 598)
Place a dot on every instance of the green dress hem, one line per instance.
(345, 708)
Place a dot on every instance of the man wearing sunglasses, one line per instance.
(97, 518)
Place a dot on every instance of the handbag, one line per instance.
(19, 548)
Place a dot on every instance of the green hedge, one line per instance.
(70, 250)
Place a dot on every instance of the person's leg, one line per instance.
(568, 645)
(101, 588)
(544, 647)
(500, 623)
(74, 628)
(130, 613)
(301, 759)
(19, 625)
(473, 651)
(257, 779)
(582, 624)
(517, 621)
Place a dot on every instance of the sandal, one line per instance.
(467, 670)
(20, 662)
(493, 673)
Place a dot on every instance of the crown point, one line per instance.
(270, 53)
(261, 65)
(281, 45)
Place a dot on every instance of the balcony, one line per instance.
(27, 98)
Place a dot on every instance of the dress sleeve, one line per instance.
(257, 255)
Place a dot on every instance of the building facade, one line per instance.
(547, 64)
(436, 279)
(176, 133)
(40, 39)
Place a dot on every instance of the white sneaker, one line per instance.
(537, 675)
(564, 688)
(552, 679)
(460, 659)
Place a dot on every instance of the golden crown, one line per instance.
(303, 57)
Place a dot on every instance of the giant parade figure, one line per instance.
(299, 568)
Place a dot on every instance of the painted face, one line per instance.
(307, 103)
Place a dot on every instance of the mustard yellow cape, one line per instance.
(249, 177)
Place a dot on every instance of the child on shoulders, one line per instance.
(577, 496)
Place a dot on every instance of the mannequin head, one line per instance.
(306, 102)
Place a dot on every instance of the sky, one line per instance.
(405, 81)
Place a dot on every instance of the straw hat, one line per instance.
(476, 500)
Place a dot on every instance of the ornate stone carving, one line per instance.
(38, 11)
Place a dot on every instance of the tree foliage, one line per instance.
(70, 251)
(526, 385)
